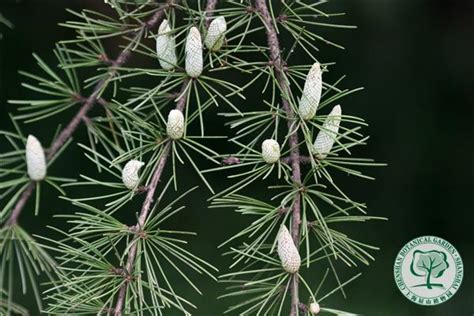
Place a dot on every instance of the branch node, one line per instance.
(282, 211)
(303, 308)
(231, 160)
(142, 234)
(282, 18)
(118, 271)
(78, 98)
(105, 59)
(142, 189)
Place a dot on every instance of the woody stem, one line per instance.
(275, 55)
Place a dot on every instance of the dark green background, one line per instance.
(415, 59)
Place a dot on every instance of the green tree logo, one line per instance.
(429, 264)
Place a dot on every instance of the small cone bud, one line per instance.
(270, 151)
(328, 134)
(130, 174)
(314, 308)
(166, 47)
(311, 93)
(194, 53)
(289, 256)
(215, 34)
(175, 124)
(35, 159)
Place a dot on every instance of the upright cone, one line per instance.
(270, 151)
(289, 256)
(328, 134)
(314, 308)
(35, 159)
(215, 34)
(193, 53)
(175, 124)
(166, 46)
(130, 176)
(311, 93)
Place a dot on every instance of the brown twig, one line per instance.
(67, 132)
(302, 159)
(209, 11)
(20, 204)
(278, 65)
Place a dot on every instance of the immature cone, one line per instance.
(193, 53)
(175, 124)
(314, 308)
(328, 134)
(166, 46)
(215, 34)
(35, 159)
(311, 93)
(289, 256)
(270, 151)
(130, 174)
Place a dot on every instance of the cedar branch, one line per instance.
(278, 65)
(131, 256)
(94, 98)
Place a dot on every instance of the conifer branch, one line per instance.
(121, 268)
(151, 189)
(180, 105)
(278, 65)
(89, 103)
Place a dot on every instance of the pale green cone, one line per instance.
(314, 308)
(35, 159)
(270, 151)
(287, 251)
(193, 53)
(166, 47)
(175, 124)
(130, 176)
(311, 96)
(328, 134)
(215, 34)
